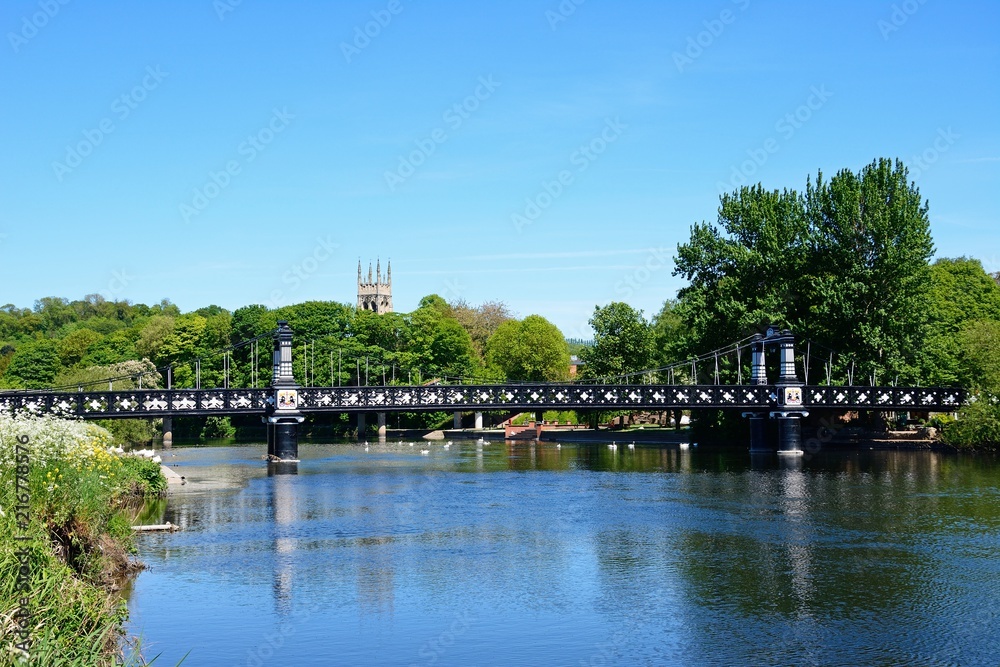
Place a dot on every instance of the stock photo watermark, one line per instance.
(432, 649)
(923, 161)
(704, 39)
(657, 260)
(454, 117)
(121, 108)
(33, 23)
(23, 618)
(223, 7)
(364, 34)
(453, 290)
(581, 159)
(786, 127)
(248, 150)
(900, 14)
(273, 642)
(302, 271)
(562, 13)
(119, 282)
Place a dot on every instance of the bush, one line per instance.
(939, 421)
(977, 426)
(130, 431)
(78, 539)
(217, 427)
(149, 481)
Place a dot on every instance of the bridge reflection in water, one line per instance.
(697, 556)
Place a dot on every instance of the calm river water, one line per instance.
(533, 555)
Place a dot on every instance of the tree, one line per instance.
(869, 266)
(442, 346)
(961, 295)
(668, 331)
(482, 321)
(980, 345)
(113, 348)
(623, 342)
(156, 332)
(35, 364)
(532, 350)
(74, 347)
(844, 265)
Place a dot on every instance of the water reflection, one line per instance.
(284, 501)
(579, 553)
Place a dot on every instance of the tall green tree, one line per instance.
(34, 365)
(668, 330)
(869, 273)
(623, 342)
(481, 321)
(961, 295)
(845, 264)
(532, 350)
(443, 347)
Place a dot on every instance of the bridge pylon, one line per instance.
(283, 416)
(788, 409)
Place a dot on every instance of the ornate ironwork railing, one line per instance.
(200, 402)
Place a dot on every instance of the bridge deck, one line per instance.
(201, 402)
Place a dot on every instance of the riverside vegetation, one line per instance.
(60, 569)
(847, 262)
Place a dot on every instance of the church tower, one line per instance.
(376, 295)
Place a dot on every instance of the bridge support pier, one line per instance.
(458, 420)
(381, 426)
(362, 425)
(479, 421)
(789, 434)
(758, 432)
(168, 432)
(283, 440)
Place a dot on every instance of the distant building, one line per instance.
(375, 295)
(574, 365)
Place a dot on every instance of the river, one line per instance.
(497, 554)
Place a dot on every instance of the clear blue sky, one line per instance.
(675, 101)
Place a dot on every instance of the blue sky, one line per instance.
(548, 155)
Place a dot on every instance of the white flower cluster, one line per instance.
(50, 439)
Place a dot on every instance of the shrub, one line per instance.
(977, 426)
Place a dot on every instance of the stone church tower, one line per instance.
(375, 296)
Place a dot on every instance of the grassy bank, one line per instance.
(62, 560)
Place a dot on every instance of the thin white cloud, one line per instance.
(519, 269)
(568, 254)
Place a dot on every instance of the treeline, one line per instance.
(62, 343)
(845, 263)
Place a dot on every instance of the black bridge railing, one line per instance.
(201, 402)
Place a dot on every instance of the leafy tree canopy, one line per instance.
(623, 342)
(532, 350)
(844, 264)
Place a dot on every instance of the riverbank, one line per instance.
(67, 501)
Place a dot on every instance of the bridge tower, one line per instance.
(283, 417)
(375, 295)
(788, 410)
(758, 376)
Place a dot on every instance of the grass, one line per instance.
(76, 548)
